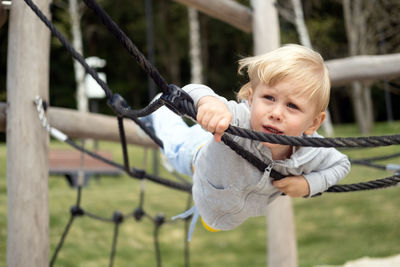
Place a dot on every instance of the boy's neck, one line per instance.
(281, 152)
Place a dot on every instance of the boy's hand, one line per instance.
(293, 186)
(213, 115)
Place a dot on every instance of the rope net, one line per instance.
(179, 102)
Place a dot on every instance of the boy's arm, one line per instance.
(197, 91)
(319, 181)
(334, 167)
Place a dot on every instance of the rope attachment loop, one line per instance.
(119, 105)
(174, 99)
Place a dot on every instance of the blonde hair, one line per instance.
(298, 64)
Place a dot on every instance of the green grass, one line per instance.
(331, 229)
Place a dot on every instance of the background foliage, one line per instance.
(222, 46)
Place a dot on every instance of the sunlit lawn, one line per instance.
(331, 229)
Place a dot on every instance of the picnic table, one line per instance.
(69, 163)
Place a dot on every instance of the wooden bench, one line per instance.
(69, 163)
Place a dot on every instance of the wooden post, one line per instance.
(27, 141)
(282, 248)
(229, 11)
(266, 33)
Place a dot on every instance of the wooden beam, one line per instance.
(231, 12)
(95, 126)
(88, 125)
(361, 68)
(27, 142)
(342, 71)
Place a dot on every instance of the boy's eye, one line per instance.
(293, 106)
(269, 97)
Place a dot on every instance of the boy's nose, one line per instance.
(276, 113)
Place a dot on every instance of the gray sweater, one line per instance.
(227, 189)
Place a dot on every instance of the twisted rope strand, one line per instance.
(183, 187)
(62, 239)
(128, 44)
(376, 184)
(69, 47)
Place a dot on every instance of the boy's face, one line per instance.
(280, 109)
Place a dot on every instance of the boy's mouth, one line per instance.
(272, 130)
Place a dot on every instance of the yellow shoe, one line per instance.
(208, 227)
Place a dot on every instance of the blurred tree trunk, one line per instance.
(75, 13)
(196, 66)
(305, 40)
(355, 15)
(3, 16)
(169, 54)
(282, 248)
(203, 21)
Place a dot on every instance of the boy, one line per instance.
(287, 94)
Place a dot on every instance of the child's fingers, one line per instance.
(221, 128)
(282, 183)
(222, 125)
(210, 122)
(217, 137)
(203, 119)
(294, 186)
(214, 116)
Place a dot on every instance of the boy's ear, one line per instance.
(316, 123)
(250, 96)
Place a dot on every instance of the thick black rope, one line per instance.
(114, 244)
(187, 107)
(69, 47)
(134, 173)
(82, 61)
(98, 217)
(158, 221)
(123, 143)
(75, 211)
(391, 156)
(62, 239)
(118, 104)
(118, 218)
(368, 164)
(376, 184)
(368, 161)
(128, 44)
(259, 164)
